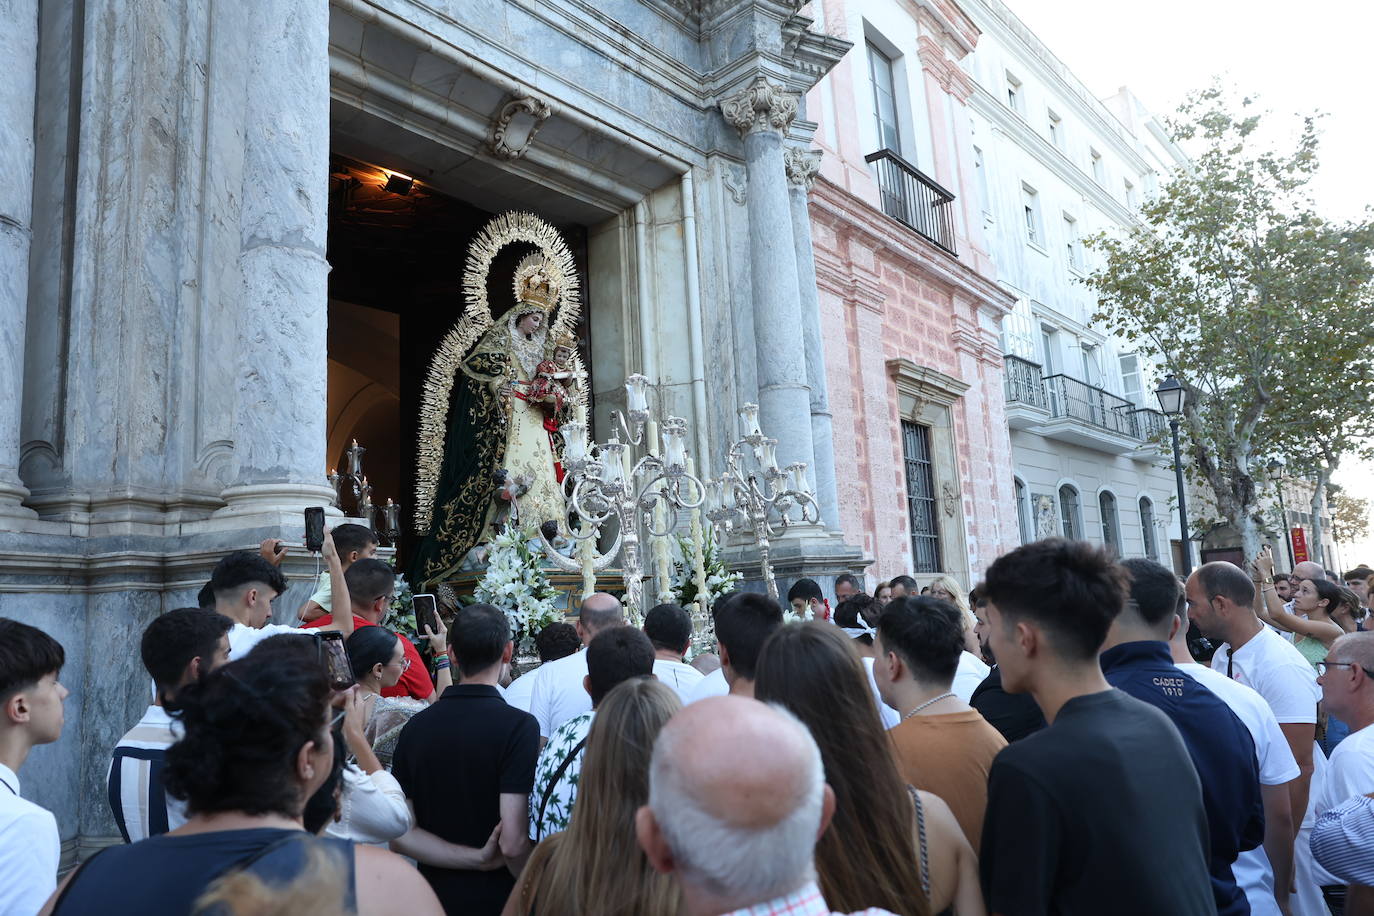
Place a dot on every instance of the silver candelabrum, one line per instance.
(354, 481)
(602, 480)
(759, 501)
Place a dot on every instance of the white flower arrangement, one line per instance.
(791, 616)
(400, 614)
(719, 578)
(515, 582)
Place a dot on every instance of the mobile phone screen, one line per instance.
(426, 612)
(336, 660)
(314, 529)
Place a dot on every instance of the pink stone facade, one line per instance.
(895, 306)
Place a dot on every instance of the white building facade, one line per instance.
(1053, 167)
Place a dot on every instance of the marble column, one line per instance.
(802, 166)
(761, 113)
(280, 413)
(19, 51)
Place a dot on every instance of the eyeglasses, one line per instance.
(1323, 667)
(404, 662)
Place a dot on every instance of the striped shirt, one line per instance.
(1343, 841)
(140, 806)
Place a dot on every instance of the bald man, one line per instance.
(737, 799)
(1309, 570)
(1347, 682)
(558, 694)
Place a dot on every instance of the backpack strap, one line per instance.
(553, 783)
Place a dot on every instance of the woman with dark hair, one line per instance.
(888, 845)
(379, 659)
(882, 595)
(1311, 621)
(596, 865)
(256, 746)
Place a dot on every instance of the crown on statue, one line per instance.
(537, 283)
(566, 340)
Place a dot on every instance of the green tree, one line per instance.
(1260, 307)
(1349, 516)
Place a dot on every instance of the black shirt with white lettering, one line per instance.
(454, 760)
(1100, 812)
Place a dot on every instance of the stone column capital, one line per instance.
(802, 165)
(763, 106)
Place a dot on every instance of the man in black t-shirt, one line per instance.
(1015, 715)
(1101, 811)
(467, 766)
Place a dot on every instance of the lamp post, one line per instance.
(1170, 394)
(1276, 471)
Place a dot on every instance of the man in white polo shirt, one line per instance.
(1221, 599)
(558, 692)
(1347, 683)
(30, 713)
(669, 628)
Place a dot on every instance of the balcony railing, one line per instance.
(1065, 397)
(914, 199)
(1078, 400)
(1024, 383)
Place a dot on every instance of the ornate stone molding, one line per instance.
(512, 144)
(736, 181)
(802, 165)
(924, 384)
(762, 106)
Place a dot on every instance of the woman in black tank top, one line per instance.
(256, 747)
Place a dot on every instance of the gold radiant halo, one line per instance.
(504, 229)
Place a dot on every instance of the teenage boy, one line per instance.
(1101, 811)
(30, 713)
(178, 648)
(353, 543)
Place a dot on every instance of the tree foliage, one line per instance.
(1260, 307)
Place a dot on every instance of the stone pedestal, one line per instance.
(19, 51)
(280, 419)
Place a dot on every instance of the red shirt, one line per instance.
(415, 680)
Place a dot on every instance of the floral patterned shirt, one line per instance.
(558, 810)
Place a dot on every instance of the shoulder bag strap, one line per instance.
(557, 775)
(921, 836)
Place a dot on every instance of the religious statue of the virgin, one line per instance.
(496, 394)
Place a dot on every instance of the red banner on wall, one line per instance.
(1299, 545)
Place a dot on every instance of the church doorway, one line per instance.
(396, 249)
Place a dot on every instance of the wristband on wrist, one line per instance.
(441, 663)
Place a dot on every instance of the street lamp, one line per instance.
(1276, 472)
(1170, 394)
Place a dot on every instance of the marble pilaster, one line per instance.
(761, 113)
(802, 167)
(19, 50)
(280, 419)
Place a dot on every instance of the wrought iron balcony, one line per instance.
(1024, 383)
(1062, 407)
(913, 198)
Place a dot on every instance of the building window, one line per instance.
(1111, 528)
(884, 99)
(1073, 246)
(1147, 528)
(982, 173)
(1130, 380)
(1070, 513)
(1092, 367)
(1095, 160)
(1023, 519)
(1056, 129)
(1129, 190)
(920, 498)
(1013, 93)
(1030, 208)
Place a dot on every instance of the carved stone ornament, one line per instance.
(515, 126)
(763, 106)
(950, 499)
(803, 165)
(736, 181)
(1046, 521)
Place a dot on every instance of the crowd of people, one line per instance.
(1047, 742)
